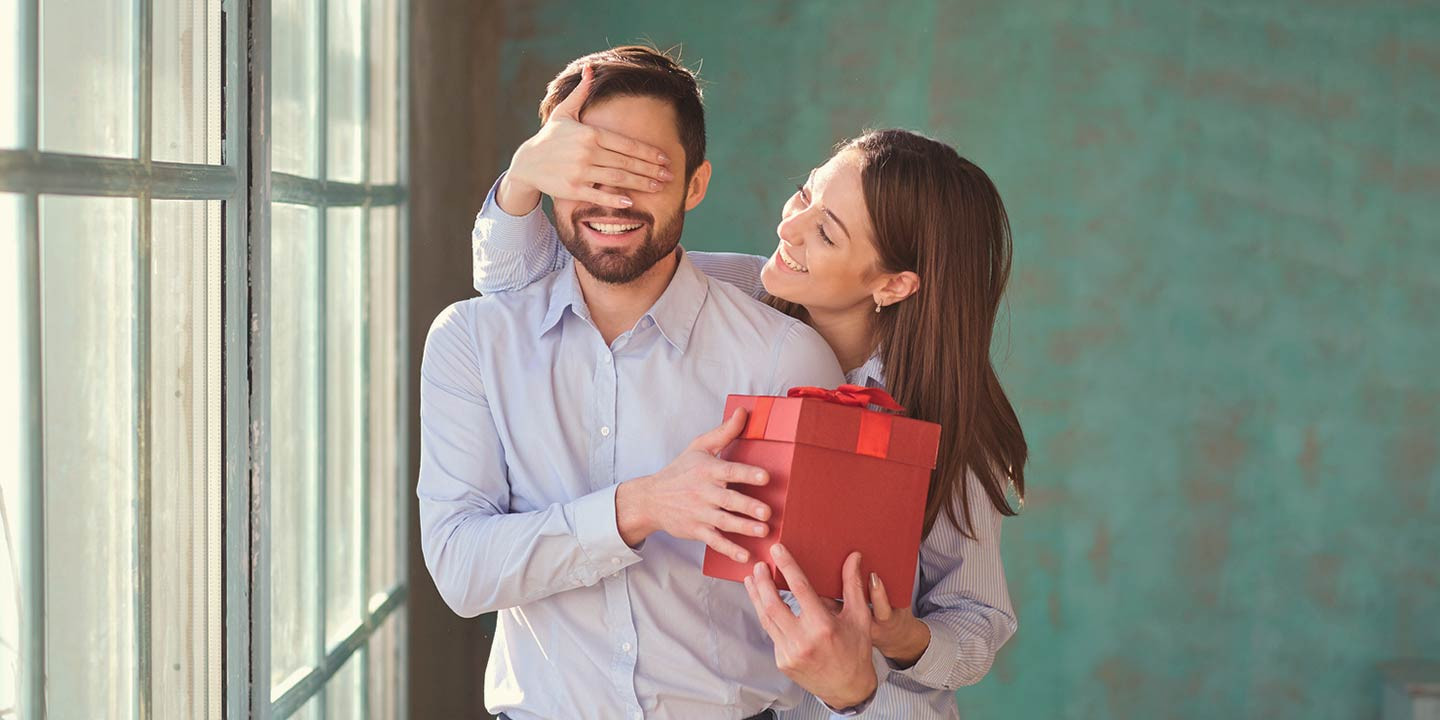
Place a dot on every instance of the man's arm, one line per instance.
(482, 556)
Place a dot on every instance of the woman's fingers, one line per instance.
(585, 193)
(617, 178)
(799, 584)
(879, 599)
(759, 606)
(610, 158)
(627, 145)
(569, 108)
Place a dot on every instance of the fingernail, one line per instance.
(874, 580)
(627, 202)
(666, 174)
(762, 512)
(760, 530)
(743, 556)
(760, 476)
(759, 568)
(778, 549)
(664, 160)
(654, 185)
(748, 581)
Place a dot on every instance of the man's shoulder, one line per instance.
(482, 316)
(733, 307)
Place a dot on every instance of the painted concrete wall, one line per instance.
(1224, 321)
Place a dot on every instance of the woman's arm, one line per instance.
(963, 598)
(510, 252)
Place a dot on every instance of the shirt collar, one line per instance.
(674, 313)
(870, 374)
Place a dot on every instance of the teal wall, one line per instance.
(1223, 325)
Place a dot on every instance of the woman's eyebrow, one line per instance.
(809, 180)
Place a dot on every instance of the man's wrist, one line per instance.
(849, 700)
(630, 517)
(515, 197)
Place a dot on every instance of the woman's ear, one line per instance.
(699, 183)
(897, 287)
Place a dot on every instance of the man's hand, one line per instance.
(569, 160)
(689, 498)
(825, 651)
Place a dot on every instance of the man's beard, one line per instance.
(615, 265)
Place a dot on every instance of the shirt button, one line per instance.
(605, 431)
(614, 561)
(625, 647)
(605, 359)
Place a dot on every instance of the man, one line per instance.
(559, 484)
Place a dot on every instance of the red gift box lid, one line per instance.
(813, 416)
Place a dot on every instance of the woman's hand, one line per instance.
(568, 160)
(825, 652)
(897, 633)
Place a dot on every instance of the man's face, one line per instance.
(617, 245)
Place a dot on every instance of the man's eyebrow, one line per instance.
(809, 180)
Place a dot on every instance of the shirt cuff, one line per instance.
(506, 233)
(934, 664)
(599, 536)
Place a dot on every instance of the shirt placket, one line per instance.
(620, 619)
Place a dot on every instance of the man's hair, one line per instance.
(636, 70)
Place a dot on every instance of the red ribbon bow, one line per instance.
(852, 395)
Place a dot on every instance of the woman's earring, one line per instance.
(877, 307)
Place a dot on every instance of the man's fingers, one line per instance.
(738, 502)
(714, 441)
(738, 524)
(610, 158)
(774, 607)
(853, 588)
(570, 107)
(733, 472)
(719, 543)
(799, 584)
(626, 145)
(585, 193)
(879, 599)
(615, 177)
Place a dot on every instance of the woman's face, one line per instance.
(826, 257)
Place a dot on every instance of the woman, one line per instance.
(897, 251)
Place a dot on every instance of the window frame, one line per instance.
(244, 183)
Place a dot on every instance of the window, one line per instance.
(202, 466)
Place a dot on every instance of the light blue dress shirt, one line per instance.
(960, 591)
(528, 421)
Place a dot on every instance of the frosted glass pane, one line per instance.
(186, 90)
(10, 448)
(346, 107)
(344, 408)
(294, 94)
(387, 488)
(185, 558)
(384, 59)
(87, 77)
(386, 668)
(342, 693)
(90, 415)
(294, 439)
(9, 83)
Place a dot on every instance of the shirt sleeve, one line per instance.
(482, 556)
(963, 597)
(739, 269)
(509, 251)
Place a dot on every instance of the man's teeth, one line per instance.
(612, 228)
(790, 262)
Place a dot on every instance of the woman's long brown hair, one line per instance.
(938, 215)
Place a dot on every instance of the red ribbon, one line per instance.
(852, 395)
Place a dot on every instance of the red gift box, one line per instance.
(842, 478)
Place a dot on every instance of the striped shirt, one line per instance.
(960, 591)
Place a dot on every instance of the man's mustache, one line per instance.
(620, 213)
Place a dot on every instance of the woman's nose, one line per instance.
(789, 230)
